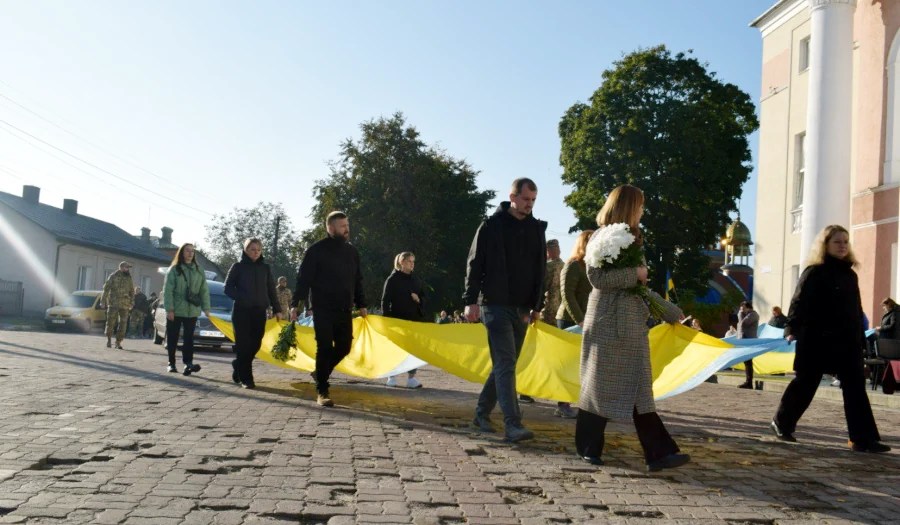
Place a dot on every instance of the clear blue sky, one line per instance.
(228, 103)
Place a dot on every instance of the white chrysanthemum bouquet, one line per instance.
(613, 247)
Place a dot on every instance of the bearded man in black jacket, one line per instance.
(329, 281)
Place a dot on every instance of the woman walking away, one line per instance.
(250, 283)
(616, 379)
(185, 294)
(825, 319)
(403, 298)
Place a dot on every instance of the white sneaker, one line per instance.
(836, 382)
(412, 382)
(392, 381)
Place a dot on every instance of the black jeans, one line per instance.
(187, 348)
(249, 327)
(334, 335)
(800, 392)
(655, 439)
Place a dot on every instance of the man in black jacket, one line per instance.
(330, 282)
(506, 270)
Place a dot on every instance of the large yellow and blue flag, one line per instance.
(548, 367)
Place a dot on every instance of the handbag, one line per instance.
(191, 297)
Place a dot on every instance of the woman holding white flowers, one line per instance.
(616, 380)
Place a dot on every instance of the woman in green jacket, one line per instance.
(185, 295)
(574, 286)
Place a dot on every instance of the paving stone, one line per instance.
(128, 443)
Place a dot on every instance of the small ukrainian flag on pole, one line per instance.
(670, 286)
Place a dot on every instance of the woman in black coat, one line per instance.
(825, 319)
(403, 298)
(888, 327)
(250, 283)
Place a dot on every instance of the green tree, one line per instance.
(666, 124)
(403, 195)
(225, 236)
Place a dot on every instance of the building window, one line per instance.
(795, 276)
(85, 278)
(146, 283)
(799, 167)
(107, 272)
(803, 59)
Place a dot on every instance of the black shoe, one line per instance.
(747, 385)
(172, 368)
(248, 386)
(195, 368)
(593, 460)
(874, 447)
(484, 424)
(670, 461)
(516, 434)
(525, 399)
(784, 436)
(188, 369)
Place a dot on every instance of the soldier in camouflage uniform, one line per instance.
(118, 298)
(138, 313)
(552, 300)
(552, 292)
(284, 294)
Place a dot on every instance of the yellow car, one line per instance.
(80, 311)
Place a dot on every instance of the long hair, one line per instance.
(179, 255)
(820, 246)
(580, 248)
(889, 303)
(402, 256)
(624, 204)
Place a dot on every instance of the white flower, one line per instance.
(605, 245)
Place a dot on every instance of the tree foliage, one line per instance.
(666, 124)
(403, 195)
(225, 236)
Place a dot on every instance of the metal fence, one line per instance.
(12, 297)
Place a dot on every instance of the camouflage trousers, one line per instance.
(116, 321)
(136, 323)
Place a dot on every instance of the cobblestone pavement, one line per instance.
(92, 435)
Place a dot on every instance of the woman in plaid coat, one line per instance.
(616, 380)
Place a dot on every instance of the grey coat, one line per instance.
(615, 353)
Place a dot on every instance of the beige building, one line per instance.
(49, 252)
(829, 149)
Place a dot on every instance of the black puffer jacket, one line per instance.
(487, 273)
(251, 285)
(396, 300)
(826, 318)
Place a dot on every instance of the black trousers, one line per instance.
(800, 392)
(249, 328)
(748, 371)
(187, 348)
(334, 335)
(655, 439)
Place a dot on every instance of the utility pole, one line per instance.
(275, 244)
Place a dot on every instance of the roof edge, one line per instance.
(775, 13)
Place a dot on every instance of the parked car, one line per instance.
(205, 333)
(79, 311)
